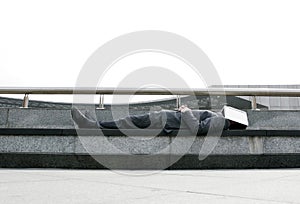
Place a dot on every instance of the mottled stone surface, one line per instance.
(147, 145)
(274, 120)
(182, 144)
(213, 145)
(136, 145)
(3, 117)
(95, 145)
(232, 145)
(37, 144)
(142, 144)
(279, 145)
(51, 118)
(40, 118)
(144, 152)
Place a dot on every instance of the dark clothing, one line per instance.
(198, 121)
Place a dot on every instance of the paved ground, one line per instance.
(101, 186)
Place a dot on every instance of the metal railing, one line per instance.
(254, 92)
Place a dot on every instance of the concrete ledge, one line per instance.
(145, 142)
(61, 118)
(139, 150)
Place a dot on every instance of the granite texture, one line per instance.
(274, 120)
(44, 144)
(95, 145)
(49, 118)
(222, 145)
(137, 145)
(39, 118)
(147, 145)
(3, 117)
(280, 145)
(141, 152)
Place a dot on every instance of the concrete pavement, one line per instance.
(193, 186)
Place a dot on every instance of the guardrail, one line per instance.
(254, 92)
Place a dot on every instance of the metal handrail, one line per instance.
(155, 91)
(254, 92)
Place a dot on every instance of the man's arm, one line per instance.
(201, 127)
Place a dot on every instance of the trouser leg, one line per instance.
(129, 122)
(150, 120)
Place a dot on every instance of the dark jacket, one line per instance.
(198, 121)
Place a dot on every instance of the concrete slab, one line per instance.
(102, 186)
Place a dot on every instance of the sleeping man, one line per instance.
(197, 121)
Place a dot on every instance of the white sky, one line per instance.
(46, 43)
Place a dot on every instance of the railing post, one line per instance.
(25, 101)
(178, 102)
(101, 102)
(253, 103)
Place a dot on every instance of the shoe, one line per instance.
(88, 115)
(82, 121)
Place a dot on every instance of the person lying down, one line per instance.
(197, 121)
